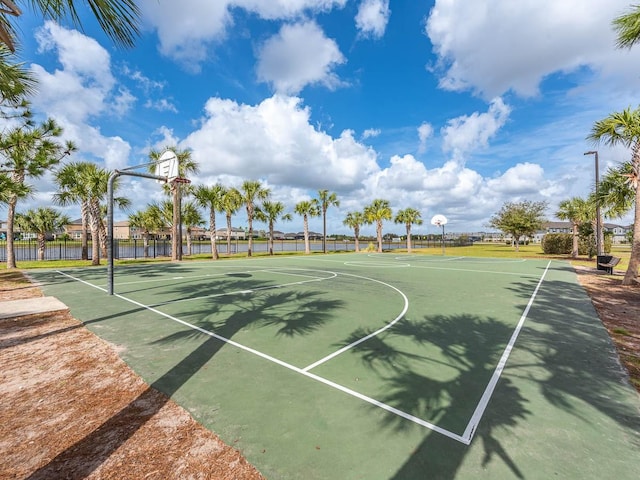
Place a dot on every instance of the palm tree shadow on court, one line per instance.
(307, 312)
(567, 339)
(468, 347)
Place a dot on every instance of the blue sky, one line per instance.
(450, 107)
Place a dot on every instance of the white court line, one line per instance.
(310, 375)
(488, 392)
(470, 429)
(364, 339)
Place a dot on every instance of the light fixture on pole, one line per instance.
(598, 226)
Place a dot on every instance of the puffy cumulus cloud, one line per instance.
(83, 89)
(521, 179)
(275, 141)
(464, 134)
(495, 47)
(372, 17)
(297, 56)
(82, 86)
(187, 28)
(425, 131)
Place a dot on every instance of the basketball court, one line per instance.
(376, 366)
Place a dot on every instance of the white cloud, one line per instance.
(82, 90)
(187, 29)
(297, 56)
(275, 141)
(494, 47)
(162, 105)
(372, 17)
(521, 179)
(425, 131)
(467, 133)
(370, 133)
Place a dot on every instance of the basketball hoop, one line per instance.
(167, 166)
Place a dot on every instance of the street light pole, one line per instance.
(598, 225)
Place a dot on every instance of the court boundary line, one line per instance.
(470, 430)
(477, 415)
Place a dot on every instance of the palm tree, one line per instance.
(252, 190)
(307, 208)
(628, 28)
(117, 18)
(148, 221)
(270, 213)
(409, 216)
(73, 190)
(623, 128)
(326, 200)
(355, 220)
(578, 211)
(96, 180)
(377, 212)
(16, 83)
(186, 167)
(28, 151)
(231, 203)
(211, 198)
(191, 217)
(41, 221)
(614, 191)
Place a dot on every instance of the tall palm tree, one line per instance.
(307, 208)
(186, 168)
(96, 180)
(28, 151)
(211, 198)
(378, 211)
(628, 28)
(231, 203)
(623, 128)
(270, 212)
(191, 217)
(41, 221)
(409, 216)
(578, 211)
(147, 221)
(354, 220)
(326, 199)
(73, 190)
(117, 18)
(252, 191)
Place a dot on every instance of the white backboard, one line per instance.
(167, 165)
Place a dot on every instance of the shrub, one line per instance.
(556, 243)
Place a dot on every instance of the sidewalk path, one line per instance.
(28, 306)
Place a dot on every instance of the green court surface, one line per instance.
(356, 366)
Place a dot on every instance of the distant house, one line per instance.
(236, 234)
(618, 232)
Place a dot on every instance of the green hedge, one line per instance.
(557, 243)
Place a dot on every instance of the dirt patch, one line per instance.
(71, 408)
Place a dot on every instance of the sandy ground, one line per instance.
(72, 409)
